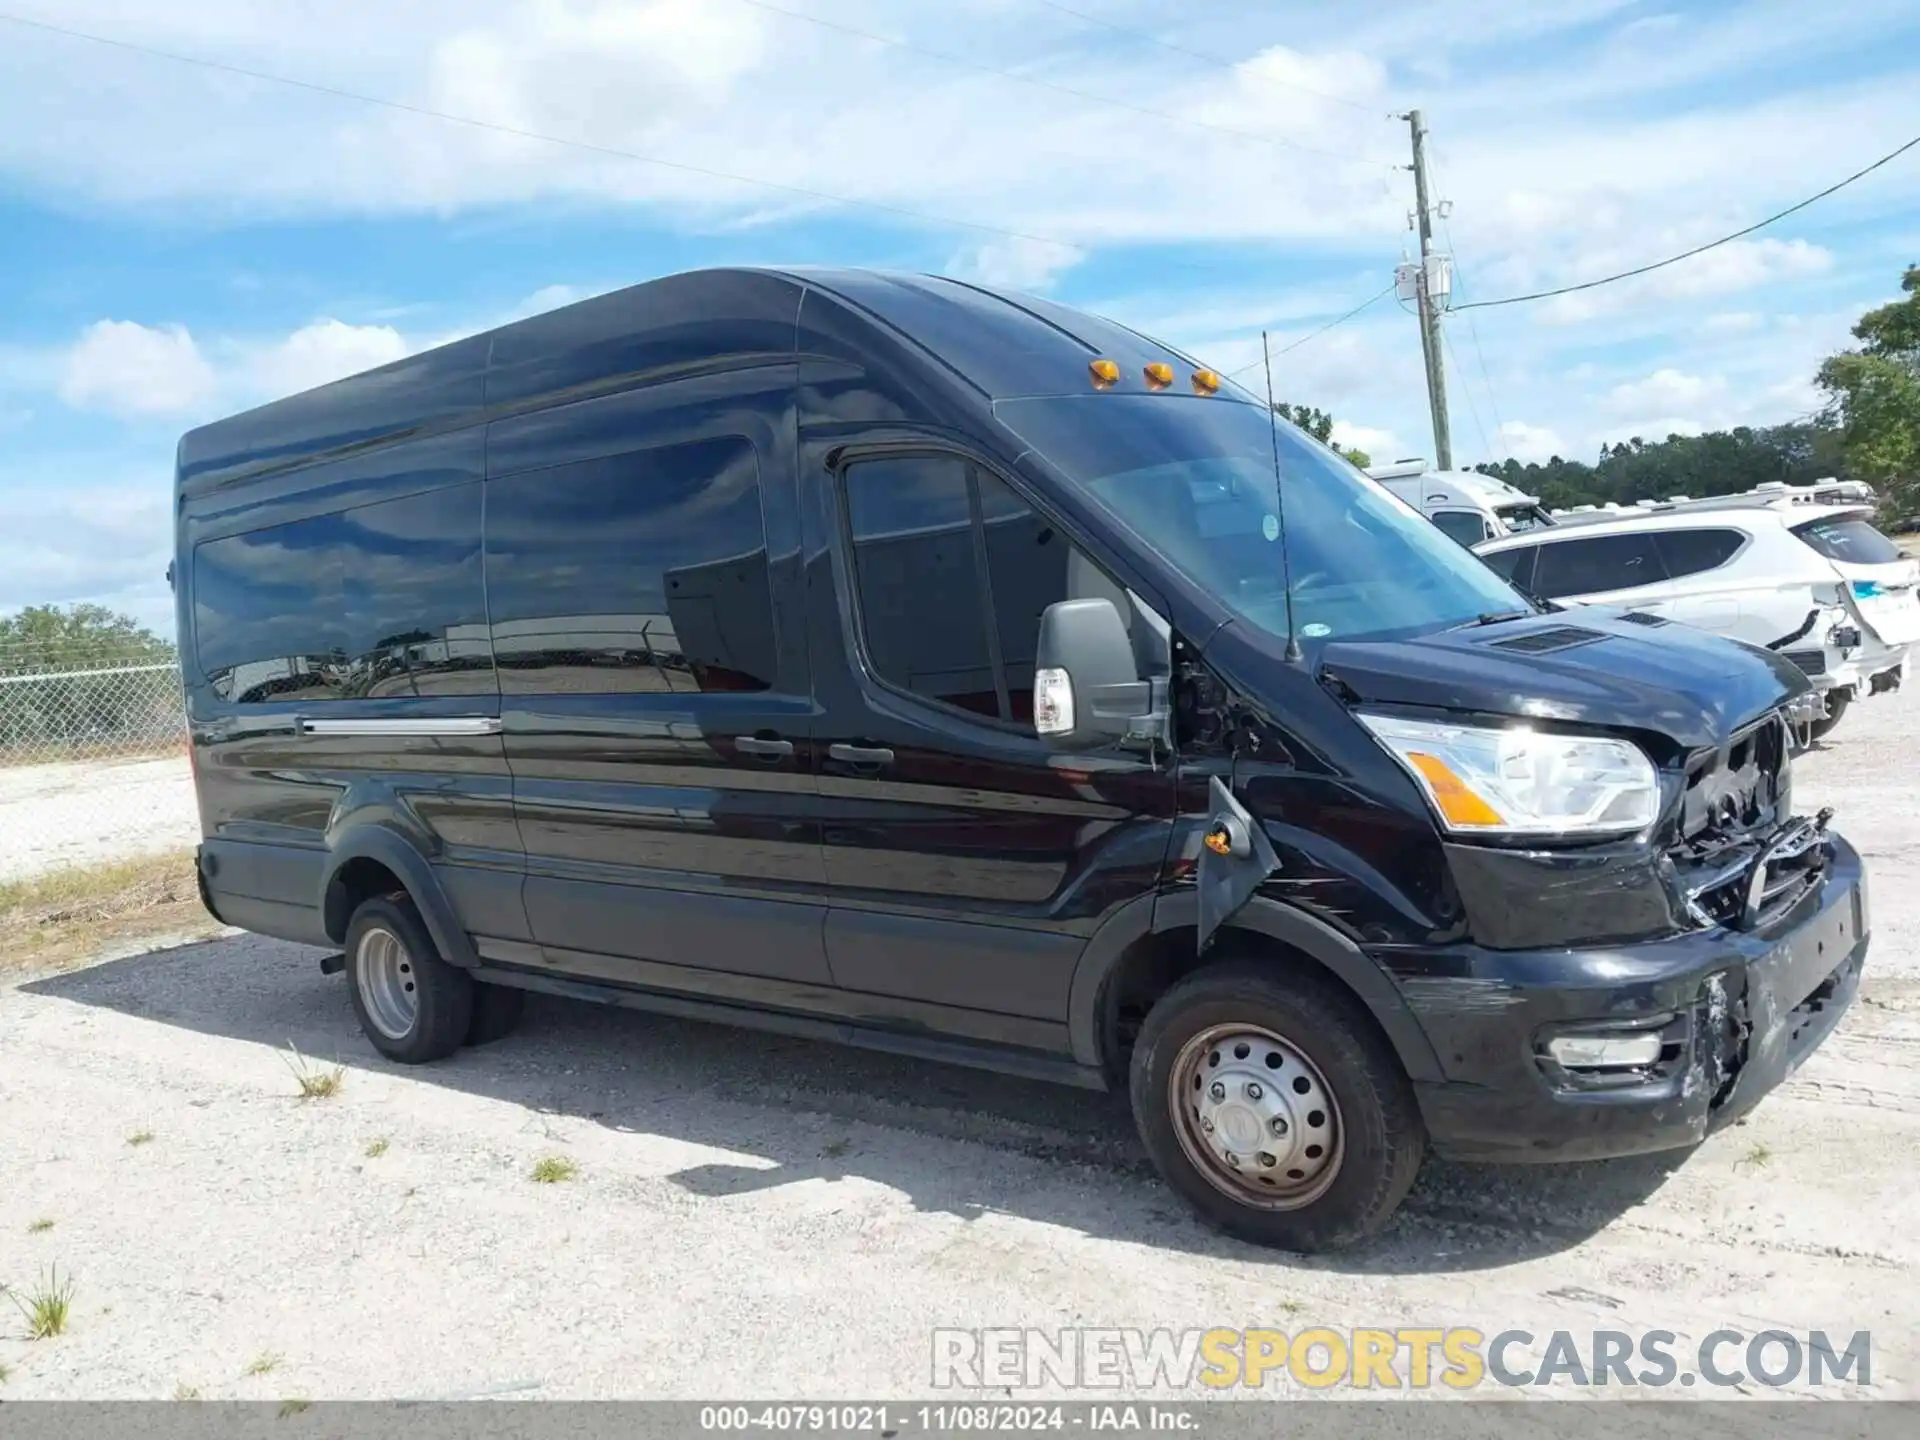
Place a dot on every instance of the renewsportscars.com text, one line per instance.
(1401, 1358)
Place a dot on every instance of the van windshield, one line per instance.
(1522, 517)
(1194, 480)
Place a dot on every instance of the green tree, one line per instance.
(1875, 392)
(46, 637)
(1319, 424)
(72, 684)
(1720, 462)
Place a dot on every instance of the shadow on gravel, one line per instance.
(820, 1111)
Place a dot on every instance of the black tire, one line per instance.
(442, 994)
(1382, 1138)
(496, 1012)
(1837, 704)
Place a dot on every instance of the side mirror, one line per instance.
(1087, 690)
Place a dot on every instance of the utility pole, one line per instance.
(1429, 309)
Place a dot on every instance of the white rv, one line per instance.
(1468, 506)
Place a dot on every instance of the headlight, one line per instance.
(1517, 781)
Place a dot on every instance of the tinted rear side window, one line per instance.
(1595, 565)
(643, 572)
(1514, 566)
(382, 601)
(1850, 541)
(1690, 552)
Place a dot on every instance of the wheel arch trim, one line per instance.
(1088, 1019)
(398, 854)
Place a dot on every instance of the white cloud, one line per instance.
(131, 369)
(1737, 266)
(1013, 263)
(1665, 389)
(322, 351)
(549, 297)
(107, 542)
(1381, 446)
(1531, 443)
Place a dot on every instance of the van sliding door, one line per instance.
(641, 564)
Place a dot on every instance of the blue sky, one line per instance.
(179, 243)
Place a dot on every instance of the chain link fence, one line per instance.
(93, 761)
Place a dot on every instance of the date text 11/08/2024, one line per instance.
(969, 1418)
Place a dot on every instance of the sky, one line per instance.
(180, 242)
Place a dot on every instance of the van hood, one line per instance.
(1580, 667)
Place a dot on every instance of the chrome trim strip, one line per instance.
(397, 728)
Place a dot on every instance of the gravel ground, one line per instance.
(86, 812)
(761, 1217)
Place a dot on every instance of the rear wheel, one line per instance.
(411, 1003)
(1275, 1107)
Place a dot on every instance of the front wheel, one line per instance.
(1274, 1106)
(1837, 702)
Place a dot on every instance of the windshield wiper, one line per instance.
(1496, 617)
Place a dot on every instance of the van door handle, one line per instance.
(762, 748)
(872, 756)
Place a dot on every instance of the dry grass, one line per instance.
(40, 1226)
(554, 1170)
(315, 1081)
(264, 1363)
(71, 914)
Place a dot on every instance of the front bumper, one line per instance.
(1737, 1012)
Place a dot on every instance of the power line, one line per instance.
(1698, 249)
(924, 216)
(1472, 409)
(1473, 330)
(1493, 399)
(1363, 305)
(1217, 61)
(950, 58)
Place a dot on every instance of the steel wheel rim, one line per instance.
(384, 972)
(1255, 1117)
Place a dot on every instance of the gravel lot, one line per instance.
(86, 812)
(763, 1217)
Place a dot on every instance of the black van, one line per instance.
(888, 660)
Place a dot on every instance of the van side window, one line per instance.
(643, 572)
(379, 602)
(1596, 564)
(950, 604)
(1690, 552)
(922, 608)
(1463, 525)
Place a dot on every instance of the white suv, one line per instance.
(1815, 582)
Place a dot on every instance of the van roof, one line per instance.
(1486, 490)
(996, 344)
